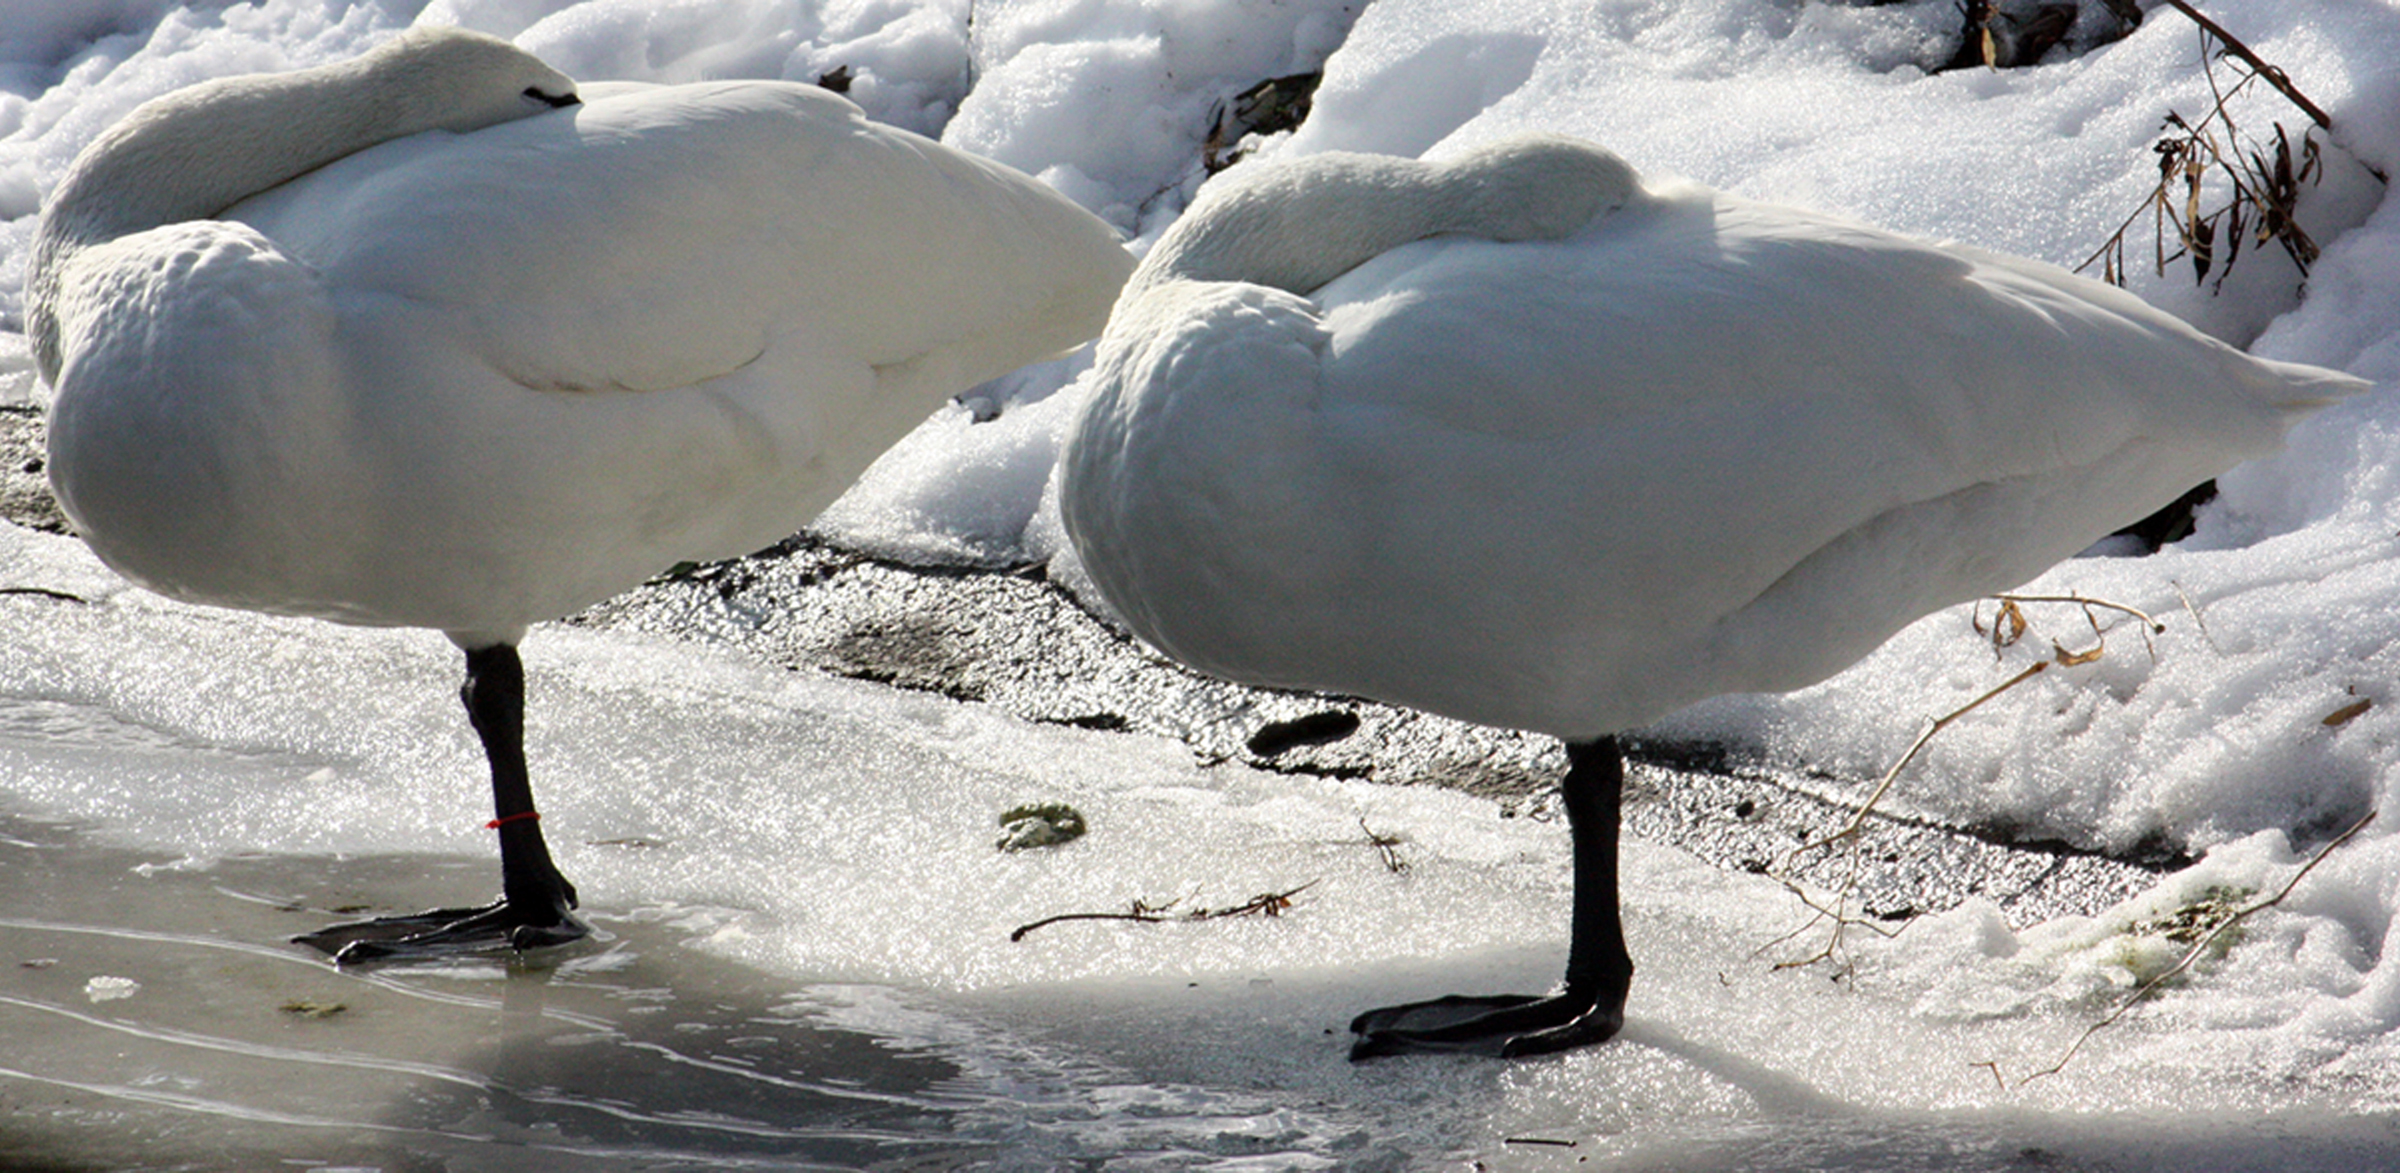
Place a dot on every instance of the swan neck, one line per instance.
(199, 151)
(1300, 225)
(194, 153)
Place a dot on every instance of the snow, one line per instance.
(782, 801)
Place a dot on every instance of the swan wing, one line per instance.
(660, 237)
(185, 347)
(1702, 446)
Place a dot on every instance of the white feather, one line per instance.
(452, 358)
(1572, 477)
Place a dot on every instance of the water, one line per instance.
(153, 1020)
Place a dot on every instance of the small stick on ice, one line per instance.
(1387, 846)
(2007, 626)
(1267, 903)
(44, 593)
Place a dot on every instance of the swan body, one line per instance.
(1571, 482)
(424, 339)
(1519, 439)
(472, 378)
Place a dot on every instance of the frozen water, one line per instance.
(816, 855)
(804, 952)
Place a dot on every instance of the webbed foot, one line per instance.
(450, 932)
(1503, 1025)
(1587, 1008)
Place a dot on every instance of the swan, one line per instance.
(1520, 439)
(425, 339)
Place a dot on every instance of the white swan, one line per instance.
(421, 339)
(1522, 441)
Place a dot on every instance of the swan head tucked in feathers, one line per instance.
(1297, 226)
(191, 154)
(454, 79)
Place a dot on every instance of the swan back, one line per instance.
(1300, 225)
(193, 153)
(1572, 483)
(471, 381)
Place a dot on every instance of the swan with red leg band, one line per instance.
(426, 339)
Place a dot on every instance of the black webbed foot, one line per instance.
(535, 910)
(1589, 1007)
(1503, 1025)
(449, 932)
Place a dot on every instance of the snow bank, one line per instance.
(2238, 731)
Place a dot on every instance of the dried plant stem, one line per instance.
(2013, 621)
(2274, 77)
(2192, 956)
(1858, 818)
(44, 593)
(2265, 180)
(1267, 903)
(1386, 846)
(2197, 620)
(2087, 604)
(1842, 924)
(1842, 921)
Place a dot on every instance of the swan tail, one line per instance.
(2300, 390)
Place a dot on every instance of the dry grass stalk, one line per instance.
(1386, 846)
(2009, 626)
(2263, 182)
(2197, 620)
(2191, 956)
(2274, 77)
(43, 593)
(1841, 919)
(1142, 912)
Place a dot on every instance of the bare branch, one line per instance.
(44, 593)
(2274, 77)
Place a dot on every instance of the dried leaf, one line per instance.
(2067, 659)
(2008, 626)
(2347, 713)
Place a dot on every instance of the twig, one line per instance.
(1267, 903)
(2087, 604)
(2197, 621)
(1842, 921)
(1858, 818)
(2275, 77)
(2009, 624)
(2197, 951)
(1386, 845)
(2265, 191)
(44, 593)
(1850, 830)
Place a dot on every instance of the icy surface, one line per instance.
(227, 779)
(825, 836)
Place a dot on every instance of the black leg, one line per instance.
(535, 898)
(1589, 1006)
(494, 695)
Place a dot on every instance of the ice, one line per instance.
(835, 841)
(764, 846)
